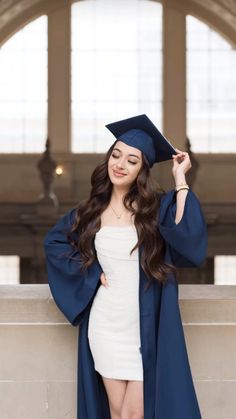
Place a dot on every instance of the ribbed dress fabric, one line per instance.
(114, 324)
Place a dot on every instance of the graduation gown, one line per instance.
(168, 387)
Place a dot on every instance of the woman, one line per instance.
(112, 270)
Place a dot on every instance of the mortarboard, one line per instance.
(140, 132)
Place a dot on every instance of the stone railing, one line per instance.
(38, 352)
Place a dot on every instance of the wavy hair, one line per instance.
(147, 197)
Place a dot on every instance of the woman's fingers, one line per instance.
(104, 280)
(180, 153)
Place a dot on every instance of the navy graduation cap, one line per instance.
(140, 132)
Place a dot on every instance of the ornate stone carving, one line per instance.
(46, 166)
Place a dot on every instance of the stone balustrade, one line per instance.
(38, 351)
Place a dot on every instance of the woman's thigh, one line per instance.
(115, 390)
(133, 401)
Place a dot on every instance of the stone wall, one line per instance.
(38, 352)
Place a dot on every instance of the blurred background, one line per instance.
(67, 68)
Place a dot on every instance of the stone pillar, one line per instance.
(174, 75)
(59, 79)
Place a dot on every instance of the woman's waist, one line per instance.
(120, 277)
(118, 289)
(108, 306)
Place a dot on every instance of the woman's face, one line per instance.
(124, 164)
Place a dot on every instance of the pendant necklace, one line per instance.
(117, 215)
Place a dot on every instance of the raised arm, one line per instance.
(187, 240)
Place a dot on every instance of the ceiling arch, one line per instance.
(14, 14)
(221, 14)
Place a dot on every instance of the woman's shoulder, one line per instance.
(67, 219)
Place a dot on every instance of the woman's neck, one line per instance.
(117, 195)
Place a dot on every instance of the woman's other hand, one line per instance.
(181, 163)
(103, 280)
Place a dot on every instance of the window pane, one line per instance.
(211, 89)
(116, 67)
(23, 89)
(225, 270)
(10, 270)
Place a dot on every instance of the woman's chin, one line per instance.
(116, 180)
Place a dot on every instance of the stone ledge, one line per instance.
(33, 303)
(28, 303)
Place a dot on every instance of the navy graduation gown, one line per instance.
(168, 387)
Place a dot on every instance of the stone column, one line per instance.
(59, 126)
(174, 75)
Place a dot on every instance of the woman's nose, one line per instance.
(120, 166)
(121, 163)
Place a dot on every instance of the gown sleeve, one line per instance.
(187, 240)
(71, 289)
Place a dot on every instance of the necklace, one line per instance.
(117, 215)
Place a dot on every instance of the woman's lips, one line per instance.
(118, 174)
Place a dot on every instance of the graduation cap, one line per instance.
(140, 132)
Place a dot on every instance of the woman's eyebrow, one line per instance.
(128, 154)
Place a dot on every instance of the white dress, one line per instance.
(114, 324)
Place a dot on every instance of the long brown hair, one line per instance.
(147, 197)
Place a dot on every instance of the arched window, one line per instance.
(116, 67)
(211, 87)
(23, 89)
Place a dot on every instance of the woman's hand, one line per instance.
(181, 164)
(103, 280)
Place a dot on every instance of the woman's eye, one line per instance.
(116, 157)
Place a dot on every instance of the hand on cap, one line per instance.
(181, 162)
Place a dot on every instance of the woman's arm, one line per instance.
(71, 289)
(181, 220)
(180, 196)
(187, 240)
